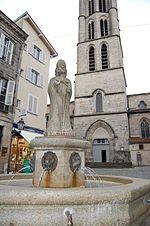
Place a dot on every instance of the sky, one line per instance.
(58, 20)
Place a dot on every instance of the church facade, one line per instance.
(116, 124)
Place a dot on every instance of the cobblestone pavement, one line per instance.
(138, 172)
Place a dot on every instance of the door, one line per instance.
(101, 150)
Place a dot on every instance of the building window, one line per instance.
(101, 141)
(91, 30)
(103, 27)
(18, 105)
(21, 72)
(99, 102)
(36, 52)
(1, 135)
(142, 105)
(3, 89)
(104, 56)
(6, 94)
(91, 59)
(145, 129)
(6, 48)
(141, 147)
(106, 27)
(34, 77)
(47, 118)
(102, 5)
(91, 7)
(32, 104)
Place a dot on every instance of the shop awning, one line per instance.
(28, 136)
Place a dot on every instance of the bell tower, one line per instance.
(100, 85)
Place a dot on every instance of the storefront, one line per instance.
(21, 153)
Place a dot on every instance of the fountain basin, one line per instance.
(60, 151)
(122, 204)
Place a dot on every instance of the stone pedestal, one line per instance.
(59, 161)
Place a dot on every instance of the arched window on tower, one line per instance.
(145, 129)
(99, 102)
(142, 105)
(104, 27)
(102, 5)
(91, 7)
(91, 59)
(104, 56)
(91, 30)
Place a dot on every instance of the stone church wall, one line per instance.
(139, 146)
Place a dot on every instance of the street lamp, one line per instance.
(20, 126)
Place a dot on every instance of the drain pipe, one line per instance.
(69, 218)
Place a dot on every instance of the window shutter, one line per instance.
(40, 80)
(91, 59)
(102, 27)
(104, 56)
(10, 92)
(31, 48)
(35, 105)
(30, 103)
(41, 76)
(2, 41)
(28, 73)
(10, 52)
(42, 56)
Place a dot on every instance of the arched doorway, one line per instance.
(102, 137)
(101, 150)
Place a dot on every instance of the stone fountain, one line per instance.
(59, 195)
(59, 154)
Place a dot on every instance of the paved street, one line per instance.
(138, 172)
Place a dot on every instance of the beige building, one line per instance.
(34, 74)
(32, 91)
(12, 40)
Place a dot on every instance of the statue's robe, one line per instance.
(60, 92)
